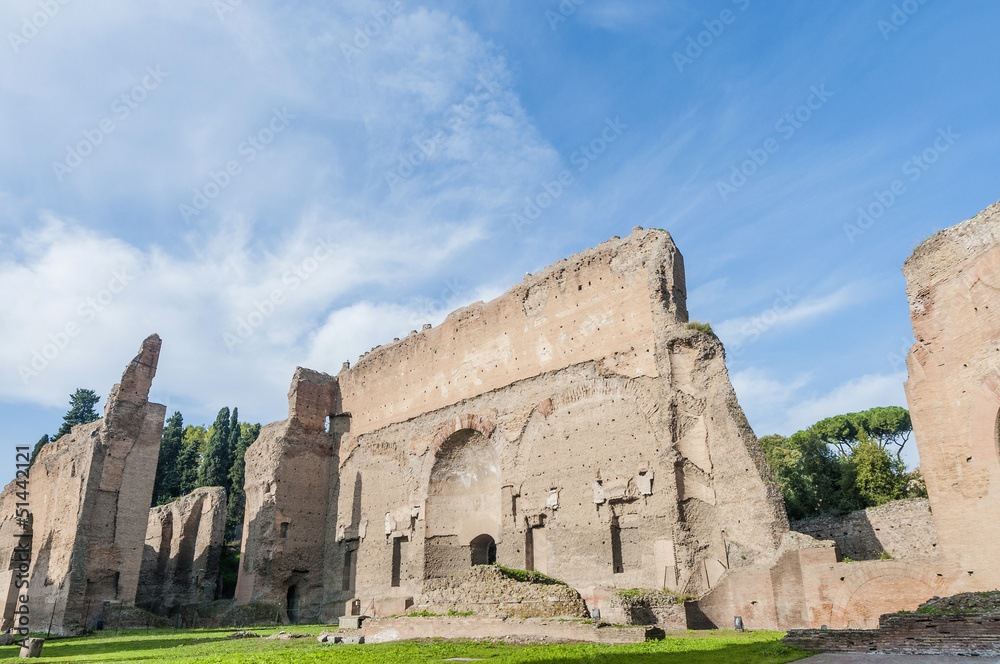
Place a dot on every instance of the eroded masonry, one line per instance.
(576, 426)
(89, 497)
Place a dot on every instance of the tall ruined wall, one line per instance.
(574, 425)
(180, 560)
(89, 494)
(953, 388)
(288, 501)
(592, 306)
(903, 528)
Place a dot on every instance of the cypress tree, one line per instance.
(215, 465)
(237, 475)
(187, 468)
(231, 445)
(167, 484)
(81, 410)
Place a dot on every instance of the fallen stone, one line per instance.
(32, 647)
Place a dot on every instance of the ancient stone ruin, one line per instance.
(576, 425)
(89, 496)
(953, 389)
(180, 561)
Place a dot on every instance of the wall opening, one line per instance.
(284, 530)
(292, 603)
(464, 503)
(484, 550)
(397, 560)
(350, 569)
(616, 547)
(529, 550)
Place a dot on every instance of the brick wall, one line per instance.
(911, 633)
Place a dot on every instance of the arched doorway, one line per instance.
(484, 550)
(292, 604)
(463, 504)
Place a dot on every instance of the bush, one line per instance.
(528, 577)
(704, 328)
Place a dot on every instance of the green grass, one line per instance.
(211, 647)
(704, 328)
(527, 577)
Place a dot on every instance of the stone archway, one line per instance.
(463, 502)
(883, 587)
(484, 550)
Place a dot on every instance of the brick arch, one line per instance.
(616, 387)
(480, 423)
(865, 582)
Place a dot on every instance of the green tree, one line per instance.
(216, 463)
(42, 442)
(237, 476)
(887, 426)
(81, 410)
(235, 432)
(806, 471)
(167, 484)
(189, 459)
(879, 478)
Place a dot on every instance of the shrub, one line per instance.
(704, 328)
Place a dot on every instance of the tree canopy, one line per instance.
(81, 411)
(842, 463)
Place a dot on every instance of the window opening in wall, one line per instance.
(350, 562)
(329, 424)
(484, 550)
(284, 530)
(529, 550)
(616, 547)
(397, 560)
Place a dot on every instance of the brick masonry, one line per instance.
(915, 634)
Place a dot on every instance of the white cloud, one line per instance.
(775, 404)
(785, 311)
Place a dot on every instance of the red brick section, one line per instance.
(912, 634)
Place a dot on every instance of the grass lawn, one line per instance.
(178, 646)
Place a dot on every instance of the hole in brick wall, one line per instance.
(484, 550)
(350, 570)
(616, 548)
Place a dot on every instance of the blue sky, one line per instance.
(271, 184)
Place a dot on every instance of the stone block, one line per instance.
(32, 647)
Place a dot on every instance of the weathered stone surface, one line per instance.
(574, 425)
(180, 561)
(32, 647)
(904, 529)
(89, 494)
(485, 591)
(953, 388)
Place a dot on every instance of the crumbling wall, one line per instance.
(903, 529)
(953, 387)
(88, 494)
(288, 485)
(180, 561)
(574, 425)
